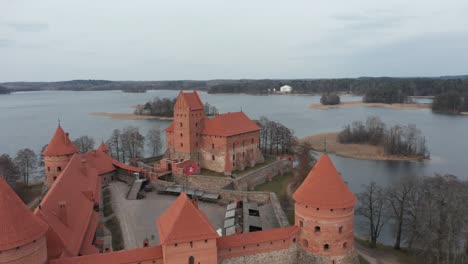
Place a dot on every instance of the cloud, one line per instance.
(28, 26)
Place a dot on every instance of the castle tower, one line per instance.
(186, 234)
(57, 154)
(324, 211)
(188, 124)
(104, 148)
(22, 236)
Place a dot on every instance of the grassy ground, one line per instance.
(402, 255)
(114, 226)
(279, 185)
(28, 193)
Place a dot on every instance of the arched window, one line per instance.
(345, 245)
(317, 229)
(305, 243)
(326, 247)
(180, 124)
(191, 260)
(59, 168)
(213, 157)
(301, 224)
(48, 168)
(340, 229)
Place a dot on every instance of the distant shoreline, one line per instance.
(129, 116)
(411, 106)
(355, 151)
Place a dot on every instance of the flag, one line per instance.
(192, 169)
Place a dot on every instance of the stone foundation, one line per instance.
(288, 255)
(304, 257)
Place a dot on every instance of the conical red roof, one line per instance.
(60, 144)
(324, 187)
(18, 225)
(183, 222)
(104, 148)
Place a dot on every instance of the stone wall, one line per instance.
(200, 181)
(270, 253)
(262, 175)
(304, 257)
(279, 213)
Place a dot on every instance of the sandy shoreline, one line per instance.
(356, 151)
(129, 116)
(360, 104)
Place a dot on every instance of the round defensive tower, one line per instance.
(23, 235)
(324, 212)
(57, 155)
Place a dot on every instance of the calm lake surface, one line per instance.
(29, 119)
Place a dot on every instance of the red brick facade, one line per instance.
(193, 135)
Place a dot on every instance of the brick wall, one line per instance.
(54, 165)
(262, 175)
(200, 181)
(265, 253)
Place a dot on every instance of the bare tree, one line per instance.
(8, 169)
(154, 140)
(114, 143)
(26, 161)
(372, 206)
(40, 156)
(398, 196)
(132, 142)
(84, 143)
(305, 162)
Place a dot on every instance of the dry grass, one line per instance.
(357, 151)
(413, 106)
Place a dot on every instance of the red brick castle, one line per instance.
(223, 143)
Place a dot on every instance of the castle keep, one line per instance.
(222, 143)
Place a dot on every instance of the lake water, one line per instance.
(29, 119)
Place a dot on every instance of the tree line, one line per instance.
(164, 107)
(396, 140)
(275, 138)
(451, 102)
(429, 216)
(358, 86)
(4, 90)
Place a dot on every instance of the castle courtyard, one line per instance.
(138, 217)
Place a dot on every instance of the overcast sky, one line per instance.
(208, 39)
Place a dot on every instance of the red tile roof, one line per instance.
(192, 100)
(184, 222)
(119, 257)
(324, 187)
(258, 237)
(100, 161)
(126, 167)
(229, 124)
(77, 184)
(60, 144)
(170, 128)
(18, 226)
